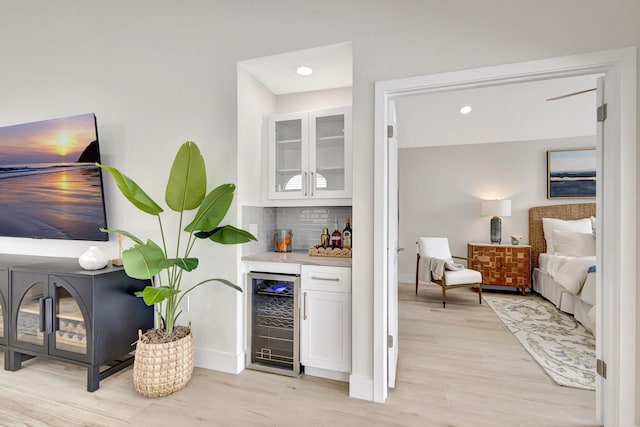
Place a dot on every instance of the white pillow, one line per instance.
(593, 224)
(549, 224)
(573, 243)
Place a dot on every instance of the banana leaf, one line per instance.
(213, 209)
(132, 191)
(155, 294)
(227, 235)
(144, 261)
(187, 183)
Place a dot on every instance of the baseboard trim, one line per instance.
(361, 387)
(219, 360)
(407, 278)
(326, 373)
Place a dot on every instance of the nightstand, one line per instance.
(502, 265)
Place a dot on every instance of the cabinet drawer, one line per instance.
(321, 278)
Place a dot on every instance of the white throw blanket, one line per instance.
(433, 268)
(573, 273)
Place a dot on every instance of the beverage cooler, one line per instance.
(273, 322)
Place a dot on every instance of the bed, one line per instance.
(566, 275)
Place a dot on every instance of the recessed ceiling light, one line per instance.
(465, 110)
(304, 70)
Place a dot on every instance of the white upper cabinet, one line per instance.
(310, 155)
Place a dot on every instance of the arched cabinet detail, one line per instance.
(60, 311)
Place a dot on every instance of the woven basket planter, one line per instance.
(162, 369)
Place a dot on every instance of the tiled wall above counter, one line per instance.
(306, 222)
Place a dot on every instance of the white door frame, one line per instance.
(618, 217)
(394, 248)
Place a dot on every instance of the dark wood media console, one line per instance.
(51, 307)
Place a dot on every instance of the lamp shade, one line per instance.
(496, 207)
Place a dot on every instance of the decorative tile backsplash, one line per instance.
(305, 222)
(265, 218)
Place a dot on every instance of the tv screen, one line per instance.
(50, 187)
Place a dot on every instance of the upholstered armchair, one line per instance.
(435, 265)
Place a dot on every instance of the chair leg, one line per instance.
(444, 297)
(417, 266)
(480, 294)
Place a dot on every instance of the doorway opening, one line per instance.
(447, 164)
(618, 132)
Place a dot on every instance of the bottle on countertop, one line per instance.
(325, 238)
(347, 235)
(336, 238)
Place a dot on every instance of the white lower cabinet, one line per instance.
(325, 321)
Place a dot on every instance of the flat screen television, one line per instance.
(50, 187)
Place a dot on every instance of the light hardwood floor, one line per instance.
(458, 366)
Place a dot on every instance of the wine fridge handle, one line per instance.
(304, 306)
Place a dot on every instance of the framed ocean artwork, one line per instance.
(571, 173)
(50, 186)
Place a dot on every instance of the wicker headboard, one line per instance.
(568, 212)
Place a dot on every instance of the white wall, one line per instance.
(314, 100)
(157, 72)
(255, 104)
(441, 189)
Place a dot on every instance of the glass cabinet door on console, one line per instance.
(29, 292)
(70, 322)
(49, 314)
(4, 294)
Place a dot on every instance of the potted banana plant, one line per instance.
(155, 372)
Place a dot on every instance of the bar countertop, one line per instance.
(298, 257)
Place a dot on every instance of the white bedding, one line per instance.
(570, 272)
(573, 273)
(566, 282)
(551, 263)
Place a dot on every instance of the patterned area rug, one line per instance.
(561, 345)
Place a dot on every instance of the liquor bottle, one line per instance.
(346, 235)
(336, 238)
(325, 238)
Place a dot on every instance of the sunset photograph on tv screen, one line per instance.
(50, 187)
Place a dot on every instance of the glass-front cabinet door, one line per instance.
(70, 325)
(29, 305)
(288, 177)
(310, 155)
(49, 315)
(2, 322)
(330, 153)
(4, 294)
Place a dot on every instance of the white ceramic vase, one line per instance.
(93, 259)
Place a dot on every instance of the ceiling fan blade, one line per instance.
(571, 94)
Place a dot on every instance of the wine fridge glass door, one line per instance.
(274, 323)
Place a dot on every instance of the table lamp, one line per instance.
(496, 209)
